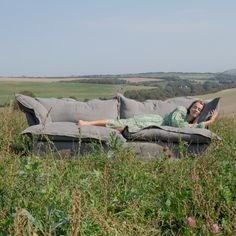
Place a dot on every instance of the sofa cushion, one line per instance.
(130, 107)
(71, 111)
(209, 106)
(35, 112)
(170, 134)
(69, 131)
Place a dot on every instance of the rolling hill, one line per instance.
(227, 101)
(230, 72)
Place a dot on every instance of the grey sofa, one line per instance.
(52, 124)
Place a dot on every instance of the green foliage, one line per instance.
(144, 94)
(175, 87)
(113, 193)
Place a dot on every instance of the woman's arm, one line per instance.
(205, 124)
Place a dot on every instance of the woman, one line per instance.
(180, 117)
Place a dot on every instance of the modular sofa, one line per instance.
(52, 124)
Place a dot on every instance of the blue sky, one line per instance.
(84, 37)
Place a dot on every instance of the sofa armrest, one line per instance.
(35, 112)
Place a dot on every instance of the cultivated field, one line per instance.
(135, 78)
(63, 79)
(80, 91)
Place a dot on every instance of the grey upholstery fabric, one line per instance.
(130, 107)
(30, 117)
(145, 150)
(151, 150)
(69, 131)
(65, 149)
(170, 134)
(36, 111)
(71, 111)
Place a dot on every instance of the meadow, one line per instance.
(80, 91)
(114, 193)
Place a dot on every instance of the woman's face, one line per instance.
(196, 109)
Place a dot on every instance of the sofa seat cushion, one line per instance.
(69, 131)
(170, 134)
(62, 110)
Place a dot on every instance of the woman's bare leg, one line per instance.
(94, 122)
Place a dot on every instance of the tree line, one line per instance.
(171, 86)
(177, 88)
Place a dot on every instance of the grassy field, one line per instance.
(113, 193)
(53, 89)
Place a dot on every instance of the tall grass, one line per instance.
(114, 193)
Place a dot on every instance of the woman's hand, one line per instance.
(214, 114)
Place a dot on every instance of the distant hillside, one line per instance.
(177, 75)
(227, 101)
(230, 72)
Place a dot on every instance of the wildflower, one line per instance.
(191, 222)
(215, 229)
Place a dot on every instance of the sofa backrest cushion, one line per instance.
(63, 110)
(35, 112)
(209, 106)
(130, 107)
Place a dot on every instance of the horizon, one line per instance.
(138, 73)
(77, 38)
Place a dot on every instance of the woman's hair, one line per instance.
(196, 101)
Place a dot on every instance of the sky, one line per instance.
(88, 37)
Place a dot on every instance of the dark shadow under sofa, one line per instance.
(52, 126)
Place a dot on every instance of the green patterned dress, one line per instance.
(177, 118)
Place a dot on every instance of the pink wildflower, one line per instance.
(191, 222)
(215, 229)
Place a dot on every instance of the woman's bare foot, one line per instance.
(82, 123)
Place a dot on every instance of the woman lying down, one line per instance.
(180, 117)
